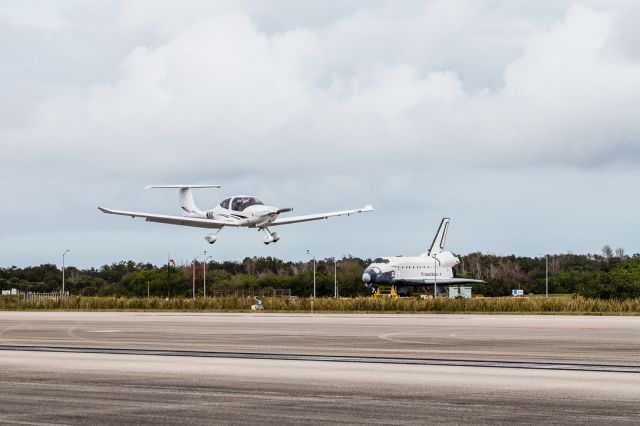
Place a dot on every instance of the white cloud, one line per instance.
(21, 15)
(220, 83)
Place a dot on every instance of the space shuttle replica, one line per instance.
(434, 267)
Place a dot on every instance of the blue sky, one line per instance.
(516, 119)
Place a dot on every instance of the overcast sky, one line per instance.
(517, 119)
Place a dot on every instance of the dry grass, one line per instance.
(533, 305)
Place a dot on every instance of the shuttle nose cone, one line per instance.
(370, 275)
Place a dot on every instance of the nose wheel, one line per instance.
(270, 237)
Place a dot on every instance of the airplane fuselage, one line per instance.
(247, 210)
(252, 217)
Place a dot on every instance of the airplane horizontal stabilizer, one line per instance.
(182, 186)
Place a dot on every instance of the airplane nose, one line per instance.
(265, 212)
(366, 278)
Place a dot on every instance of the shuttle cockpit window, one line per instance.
(380, 260)
(241, 203)
(225, 203)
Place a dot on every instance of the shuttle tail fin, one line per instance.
(438, 241)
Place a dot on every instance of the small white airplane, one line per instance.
(433, 267)
(237, 211)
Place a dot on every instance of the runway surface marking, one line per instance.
(332, 358)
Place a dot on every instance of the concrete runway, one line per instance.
(78, 388)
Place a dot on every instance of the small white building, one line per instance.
(459, 291)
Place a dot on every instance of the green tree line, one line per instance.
(607, 275)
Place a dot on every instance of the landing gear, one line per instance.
(212, 238)
(270, 237)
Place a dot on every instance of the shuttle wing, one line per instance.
(174, 220)
(459, 281)
(319, 216)
(442, 281)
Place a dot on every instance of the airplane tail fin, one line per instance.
(188, 206)
(438, 241)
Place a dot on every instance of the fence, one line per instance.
(41, 296)
(276, 292)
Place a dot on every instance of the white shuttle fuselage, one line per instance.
(431, 268)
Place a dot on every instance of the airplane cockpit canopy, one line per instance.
(241, 203)
(225, 203)
(380, 260)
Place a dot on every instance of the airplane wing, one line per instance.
(173, 220)
(319, 216)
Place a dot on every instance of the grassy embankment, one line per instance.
(532, 305)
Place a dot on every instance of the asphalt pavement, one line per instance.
(186, 368)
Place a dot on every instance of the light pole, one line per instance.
(193, 269)
(546, 274)
(204, 280)
(335, 278)
(314, 273)
(63, 255)
(435, 278)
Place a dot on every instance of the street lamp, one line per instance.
(314, 273)
(435, 277)
(204, 280)
(193, 270)
(546, 274)
(63, 255)
(335, 277)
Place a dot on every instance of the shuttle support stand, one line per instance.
(385, 291)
